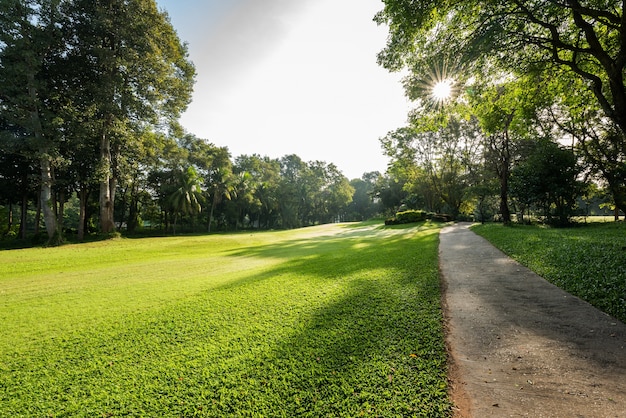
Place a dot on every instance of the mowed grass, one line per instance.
(329, 321)
(587, 261)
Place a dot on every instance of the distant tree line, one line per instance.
(90, 96)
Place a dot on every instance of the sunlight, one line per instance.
(442, 90)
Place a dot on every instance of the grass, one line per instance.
(587, 261)
(336, 320)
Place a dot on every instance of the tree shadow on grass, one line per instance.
(375, 349)
(343, 325)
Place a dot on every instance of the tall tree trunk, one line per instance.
(213, 205)
(505, 211)
(82, 193)
(44, 161)
(38, 215)
(47, 201)
(10, 220)
(107, 224)
(133, 210)
(23, 214)
(61, 209)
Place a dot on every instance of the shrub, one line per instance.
(407, 217)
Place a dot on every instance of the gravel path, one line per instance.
(521, 347)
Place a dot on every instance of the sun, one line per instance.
(437, 85)
(442, 90)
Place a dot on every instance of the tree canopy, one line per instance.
(527, 70)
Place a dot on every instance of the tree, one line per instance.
(185, 199)
(265, 173)
(597, 141)
(571, 39)
(218, 181)
(330, 193)
(135, 72)
(292, 191)
(363, 206)
(442, 154)
(507, 113)
(548, 178)
(29, 45)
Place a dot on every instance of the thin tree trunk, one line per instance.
(106, 193)
(10, 220)
(38, 215)
(213, 204)
(82, 212)
(44, 162)
(47, 201)
(23, 214)
(61, 210)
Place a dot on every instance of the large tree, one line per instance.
(131, 72)
(29, 47)
(461, 39)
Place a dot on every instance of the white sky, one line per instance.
(278, 77)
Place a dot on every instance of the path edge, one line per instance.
(460, 399)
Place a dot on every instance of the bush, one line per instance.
(407, 217)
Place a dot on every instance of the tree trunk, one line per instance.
(82, 213)
(47, 201)
(10, 220)
(44, 161)
(505, 211)
(133, 211)
(107, 224)
(38, 215)
(213, 205)
(23, 214)
(61, 210)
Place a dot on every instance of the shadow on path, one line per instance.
(520, 346)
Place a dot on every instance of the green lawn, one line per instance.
(588, 261)
(336, 320)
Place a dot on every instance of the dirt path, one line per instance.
(521, 347)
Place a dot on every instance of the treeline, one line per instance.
(90, 96)
(191, 185)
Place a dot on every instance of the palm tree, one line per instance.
(220, 187)
(184, 200)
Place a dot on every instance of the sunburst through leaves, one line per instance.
(437, 86)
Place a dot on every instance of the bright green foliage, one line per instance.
(587, 261)
(576, 50)
(82, 83)
(437, 162)
(338, 320)
(407, 217)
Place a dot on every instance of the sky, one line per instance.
(279, 77)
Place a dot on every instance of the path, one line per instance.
(520, 346)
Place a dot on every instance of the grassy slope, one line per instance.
(338, 320)
(588, 261)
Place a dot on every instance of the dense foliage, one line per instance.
(332, 320)
(519, 74)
